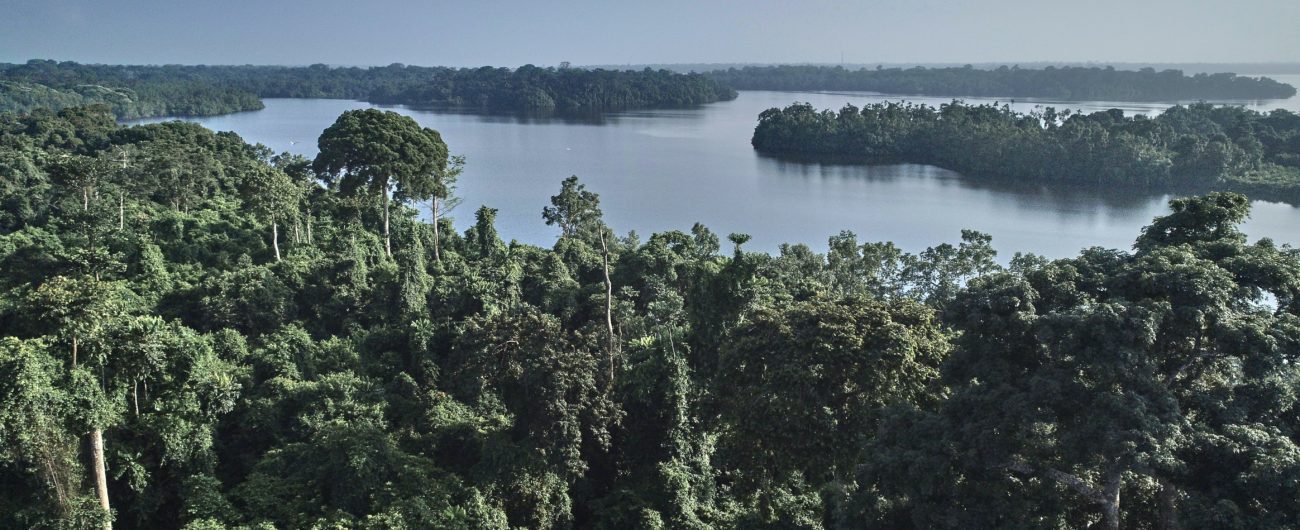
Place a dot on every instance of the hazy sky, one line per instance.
(545, 32)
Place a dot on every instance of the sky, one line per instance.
(614, 32)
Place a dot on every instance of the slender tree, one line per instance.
(80, 174)
(442, 200)
(274, 196)
(575, 209)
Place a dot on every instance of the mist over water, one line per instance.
(659, 170)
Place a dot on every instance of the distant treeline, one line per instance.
(1190, 68)
(1070, 83)
(175, 90)
(128, 98)
(1199, 146)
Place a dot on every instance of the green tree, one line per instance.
(79, 173)
(386, 153)
(38, 436)
(442, 200)
(575, 210)
(275, 196)
(1110, 376)
(825, 368)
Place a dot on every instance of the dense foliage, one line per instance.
(128, 98)
(162, 358)
(176, 90)
(1076, 83)
(1194, 147)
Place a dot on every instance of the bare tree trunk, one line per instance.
(74, 352)
(297, 236)
(1110, 501)
(121, 197)
(609, 305)
(309, 241)
(388, 243)
(275, 239)
(437, 251)
(135, 395)
(1168, 505)
(85, 199)
(101, 476)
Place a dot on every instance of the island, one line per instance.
(1197, 147)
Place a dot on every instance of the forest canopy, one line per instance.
(176, 90)
(199, 333)
(1196, 147)
(1070, 83)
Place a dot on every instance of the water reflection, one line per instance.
(535, 117)
(1063, 197)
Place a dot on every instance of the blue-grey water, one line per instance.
(662, 170)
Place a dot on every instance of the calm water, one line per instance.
(666, 169)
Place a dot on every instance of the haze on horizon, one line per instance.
(512, 33)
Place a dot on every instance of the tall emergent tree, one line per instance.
(275, 196)
(442, 199)
(575, 209)
(384, 152)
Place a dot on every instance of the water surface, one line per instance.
(661, 170)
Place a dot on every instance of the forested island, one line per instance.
(1193, 147)
(1075, 83)
(199, 333)
(176, 90)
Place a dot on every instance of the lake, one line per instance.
(659, 170)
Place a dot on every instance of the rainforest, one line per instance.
(202, 333)
(762, 265)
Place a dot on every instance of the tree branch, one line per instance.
(1080, 486)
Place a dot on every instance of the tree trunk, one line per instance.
(101, 476)
(437, 251)
(74, 352)
(1107, 496)
(135, 395)
(85, 199)
(1110, 501)
(1168, 505)
(309, 226)
(275, 239)
(388, 243)
(121, 197)
(609, 305)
